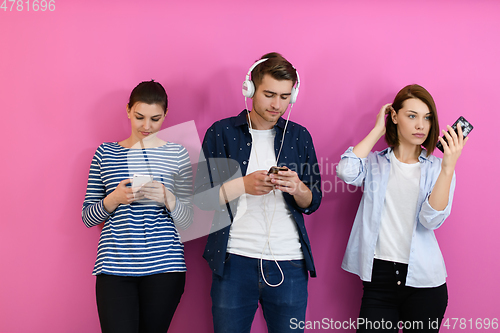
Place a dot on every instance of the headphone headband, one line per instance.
(248, 87)
(253, 66)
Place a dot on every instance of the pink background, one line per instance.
(65, 77)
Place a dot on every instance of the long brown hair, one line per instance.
(418, 92)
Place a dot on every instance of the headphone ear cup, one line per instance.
(248, 89)
(293, 95)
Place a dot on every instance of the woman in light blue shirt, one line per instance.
(407, 194)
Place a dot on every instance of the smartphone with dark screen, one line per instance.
(275, 170)
(466, 129)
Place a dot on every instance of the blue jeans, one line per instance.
(236, 295)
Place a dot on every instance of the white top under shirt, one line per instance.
(399, 212)
(256, 213)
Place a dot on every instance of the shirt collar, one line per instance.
(241, 120)
(422, 158)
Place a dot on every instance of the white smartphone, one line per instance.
(140, 180)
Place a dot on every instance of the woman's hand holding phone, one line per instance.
(122, 195)
(452, 150)
(452, 147)
(156, 191)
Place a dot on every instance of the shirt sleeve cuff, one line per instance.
(102, 214)
(350, 153)
(432, 218)
(351, 168)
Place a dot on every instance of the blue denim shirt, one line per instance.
(426, 264)
(226, 150)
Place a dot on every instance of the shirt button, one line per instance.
(399, 283)
(397, 272)
(245, 162)
(248, 144)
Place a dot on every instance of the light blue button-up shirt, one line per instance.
(426, 264)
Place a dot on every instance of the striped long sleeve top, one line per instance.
(140, 238)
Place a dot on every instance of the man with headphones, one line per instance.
(258, 248)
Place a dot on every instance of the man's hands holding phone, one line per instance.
(257, 183)
(261, 182)
(283, 179)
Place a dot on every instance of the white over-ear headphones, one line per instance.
(248, 88)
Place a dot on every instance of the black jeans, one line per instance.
(388, 304)
(138, 304)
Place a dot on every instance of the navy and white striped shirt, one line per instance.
(140, 238)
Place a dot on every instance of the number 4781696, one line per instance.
(463, 323)
(33, 5)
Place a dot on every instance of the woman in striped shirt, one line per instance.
(140, 265)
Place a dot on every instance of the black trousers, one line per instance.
(138, 304)
(388, 304)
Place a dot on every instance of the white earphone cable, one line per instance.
(268, 241)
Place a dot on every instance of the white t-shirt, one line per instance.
(399, 213)
(257, 215)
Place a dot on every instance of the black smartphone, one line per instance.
(466, 129)
(275, 170)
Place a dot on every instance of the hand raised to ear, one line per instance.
(380, 123)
